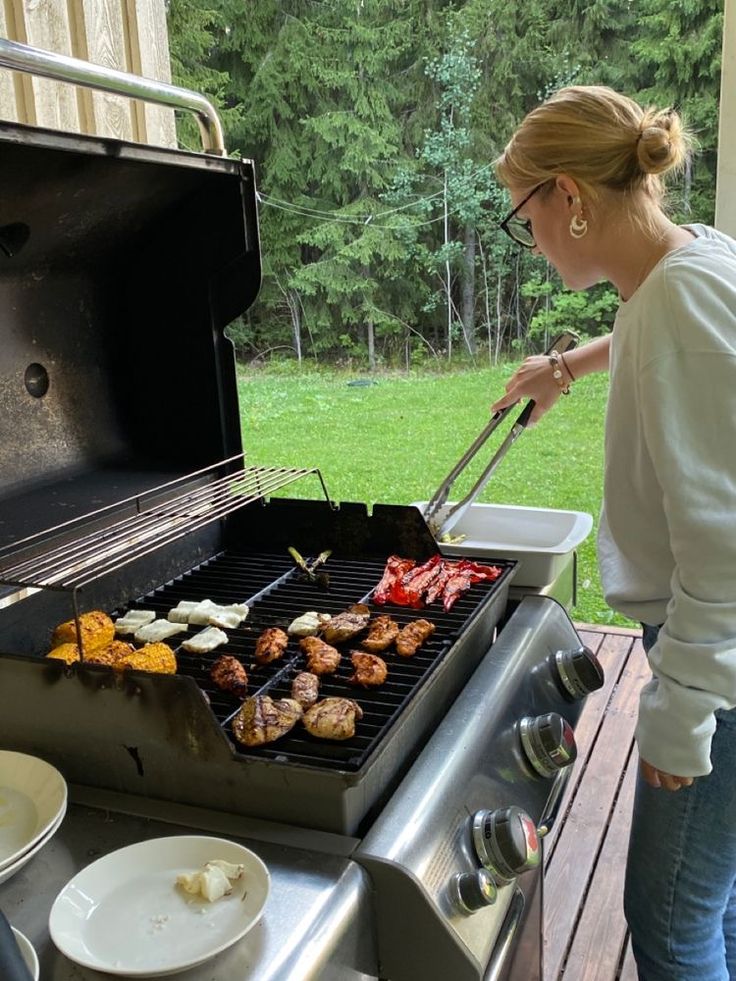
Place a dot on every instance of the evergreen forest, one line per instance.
(373, 125)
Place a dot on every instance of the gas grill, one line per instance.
(411, 850)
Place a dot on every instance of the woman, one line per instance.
(584, 171)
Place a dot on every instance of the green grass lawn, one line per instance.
(394, 441)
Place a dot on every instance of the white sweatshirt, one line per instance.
(667, 538)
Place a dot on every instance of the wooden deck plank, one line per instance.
(572, 863)
(628, 969)
(601, 934)
(613, 652)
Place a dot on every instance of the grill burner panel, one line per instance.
(277, 593)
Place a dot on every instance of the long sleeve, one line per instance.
(687, 398)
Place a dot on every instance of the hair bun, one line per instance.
(661, 144)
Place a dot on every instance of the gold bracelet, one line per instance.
(554, 360)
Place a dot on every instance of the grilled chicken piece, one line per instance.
(262, 720)
(381, 634)
(305, 689)
(370, 669)
(321, 657)
(229, 674)
(346, 625)
(96, 628)
(333, 718)
(158, 658)
(271, 645)
(412, 636)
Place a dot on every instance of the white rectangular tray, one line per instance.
(540, 539)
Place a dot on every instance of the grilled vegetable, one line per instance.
(157, 658)
(308, 568)
(96, 629)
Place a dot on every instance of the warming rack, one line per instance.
(84, 556)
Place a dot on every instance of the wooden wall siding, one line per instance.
(7, 82)
(127, 35)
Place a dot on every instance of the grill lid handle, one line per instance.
(47, 64)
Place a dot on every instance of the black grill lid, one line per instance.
(116, 374)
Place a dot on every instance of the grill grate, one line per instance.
(277, 593)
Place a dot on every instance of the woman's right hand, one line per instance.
(532, 380)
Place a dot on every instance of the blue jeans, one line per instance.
(680, 895)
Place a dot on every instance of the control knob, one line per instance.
(548, 742)
(506, 841)
(472, 891)
(578, 672)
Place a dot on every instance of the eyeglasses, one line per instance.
(517, 229)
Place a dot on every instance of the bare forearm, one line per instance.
(589, 358)
(535, 379)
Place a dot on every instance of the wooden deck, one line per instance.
(585, 935)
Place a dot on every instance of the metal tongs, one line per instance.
(440, 520)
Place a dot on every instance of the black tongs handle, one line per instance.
(564, 342)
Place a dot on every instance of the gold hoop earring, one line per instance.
(578, 226)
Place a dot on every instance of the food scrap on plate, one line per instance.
(211, 882)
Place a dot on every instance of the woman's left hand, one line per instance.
(658, 778)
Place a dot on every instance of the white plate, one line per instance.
(27, 855)
(27, 952)
(32, 796)
(124, 913)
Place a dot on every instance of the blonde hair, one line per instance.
(602, 139)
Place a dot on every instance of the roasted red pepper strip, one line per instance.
(416, 582)
(405, 583)
(396, 568)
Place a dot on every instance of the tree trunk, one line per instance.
(448, 275)
(370, 327)
(371, 346)
(292, 298)
(468, 297)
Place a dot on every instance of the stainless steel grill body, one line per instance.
(120, 268)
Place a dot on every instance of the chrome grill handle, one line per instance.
(554, 802)
(62, 68)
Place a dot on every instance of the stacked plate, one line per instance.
(33, 799)
(28, 953)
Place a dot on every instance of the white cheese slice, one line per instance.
(225, 618)
(206, 640)
(308, 624)
(151, 633)
(133, 620)
(180, 612)
(200, 615)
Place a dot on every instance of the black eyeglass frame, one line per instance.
(504, 225)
